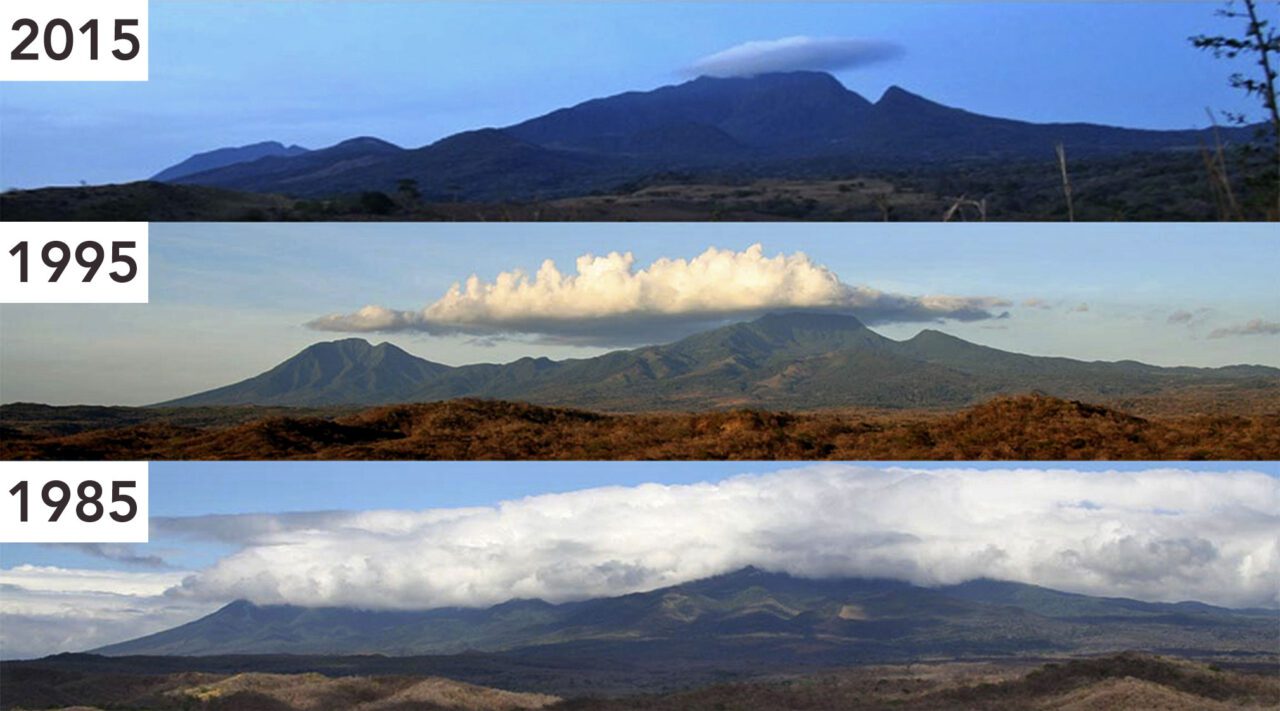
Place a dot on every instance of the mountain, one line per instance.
(787, 360)
(349, 370)
(795, 124)
(224, 157)
(778, 113)
(771, 618)
(485, 164)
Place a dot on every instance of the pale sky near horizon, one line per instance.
(316, 73)
(229, 301)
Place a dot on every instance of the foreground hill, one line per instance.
(255, 691)
(1124, 681)
(145, 201)
(1160, 186)
(772, 125)
(795, 361)
(753, 617)
(1031, 427)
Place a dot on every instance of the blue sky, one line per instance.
(229, 301)
(195, 488)
(315, 73)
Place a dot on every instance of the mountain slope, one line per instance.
(790, 360)
(799, 111)
(337, 164)
(772, 125)
(350, 370)
(487, 164)
(224, 157)
(757, 613)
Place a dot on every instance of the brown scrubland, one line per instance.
(1123, 681)
(1118, 681)
(1028, 427)
(277, 692)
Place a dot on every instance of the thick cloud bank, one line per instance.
(609, 301)
(1157, 535)
(794, 54)
(48, 610)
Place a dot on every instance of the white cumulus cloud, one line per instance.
(797, 53)
(608, 300)
(48, 609)
(1163, 535)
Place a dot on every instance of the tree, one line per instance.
(376, 203)
(407, 189)
(1260, 41)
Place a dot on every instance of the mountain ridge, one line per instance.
(223, 157)
(796, 360)
(759, 611)
(792, 124)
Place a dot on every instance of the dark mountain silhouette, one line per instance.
(350, 370)
(333, 163)
(774, 113)
(224, 157)
(788, 360)
(797, 124)
(749, 614)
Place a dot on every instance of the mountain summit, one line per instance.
(798, 360)
(793, 124)
(349, 370)
(749, 614)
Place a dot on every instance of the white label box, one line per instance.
(74, 40)
(74, 263)
(74, 502)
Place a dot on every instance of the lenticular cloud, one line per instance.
(607, 300)
(1156, 535)
(794, 54)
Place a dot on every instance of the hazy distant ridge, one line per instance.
(223, 157)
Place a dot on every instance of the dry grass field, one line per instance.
(1029, 427)
(1122, 681)
(1162, 186)
(278, 692)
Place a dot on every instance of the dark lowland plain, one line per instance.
(782, 146)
